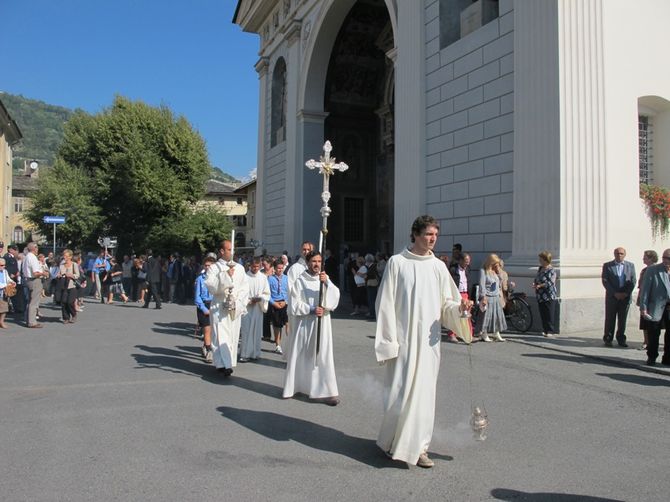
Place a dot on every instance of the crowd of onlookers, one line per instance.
(28, 276)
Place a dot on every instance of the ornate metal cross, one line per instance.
(327, 167)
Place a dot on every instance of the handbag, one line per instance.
(10, 289)
(78, 282)
(141, 275)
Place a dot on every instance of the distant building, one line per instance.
(234, 203)
(245, 225)
(10, 135)
(24, 184)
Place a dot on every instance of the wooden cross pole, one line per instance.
(327, 167)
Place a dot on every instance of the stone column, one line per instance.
(410, 159)
(262, 70)
(294, 174)
(560, 183)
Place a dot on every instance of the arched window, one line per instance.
(654, 156)
(18, 234)
(278, 118)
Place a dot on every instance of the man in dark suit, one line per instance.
(619, 279)
(655, 308)
(152, 267)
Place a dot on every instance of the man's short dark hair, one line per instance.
(422, 223)
(311, 255)
(457, 246)
(256, 260)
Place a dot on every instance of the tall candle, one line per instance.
(232, 244)
(320, 242)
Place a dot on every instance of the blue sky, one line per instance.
(186, 55)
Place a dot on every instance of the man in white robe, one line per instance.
(251, 329)
(306, 372)
(416, 296)
(227, 282)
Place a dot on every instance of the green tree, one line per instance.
(195, 231)
(67, 191)
(145, 167)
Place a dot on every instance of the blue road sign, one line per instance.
(54, 219)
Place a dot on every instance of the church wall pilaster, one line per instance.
(294, 162)
(536, 153)
(259, 217)
(409, 120)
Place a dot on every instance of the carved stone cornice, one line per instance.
(262, 66)
(312, 116)
(292, 31)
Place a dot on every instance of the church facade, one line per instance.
(522, 125)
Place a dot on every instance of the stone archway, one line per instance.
(356, 80)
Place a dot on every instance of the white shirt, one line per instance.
(30, 266)
(463, 282)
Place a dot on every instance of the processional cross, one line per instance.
(327, 167)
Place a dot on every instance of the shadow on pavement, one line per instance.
(269, 362)
(187, 363)
(507, 494)
(564, 341)
(586, 359)
(637, 379)
(175, 328)
(284, 428)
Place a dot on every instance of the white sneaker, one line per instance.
(204, 351)
(547, 335)
(278, 350)
(484, 337)
(209, 357)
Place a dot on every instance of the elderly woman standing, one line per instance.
(650, 257)
(4, 280)
(68, 273)
(545, 291)
(492, 317)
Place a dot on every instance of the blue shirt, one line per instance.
(100, 261)
(202, 294)
(278, 288)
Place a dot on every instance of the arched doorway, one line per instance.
(347, 96)
(358, 99)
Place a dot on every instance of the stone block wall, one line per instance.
(470, 133)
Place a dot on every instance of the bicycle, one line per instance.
(518, 312)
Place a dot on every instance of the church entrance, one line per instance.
(358, 99)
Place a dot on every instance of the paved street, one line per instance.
(120, 406)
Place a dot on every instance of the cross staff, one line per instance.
(327, 167)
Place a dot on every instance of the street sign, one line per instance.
(54, 219)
